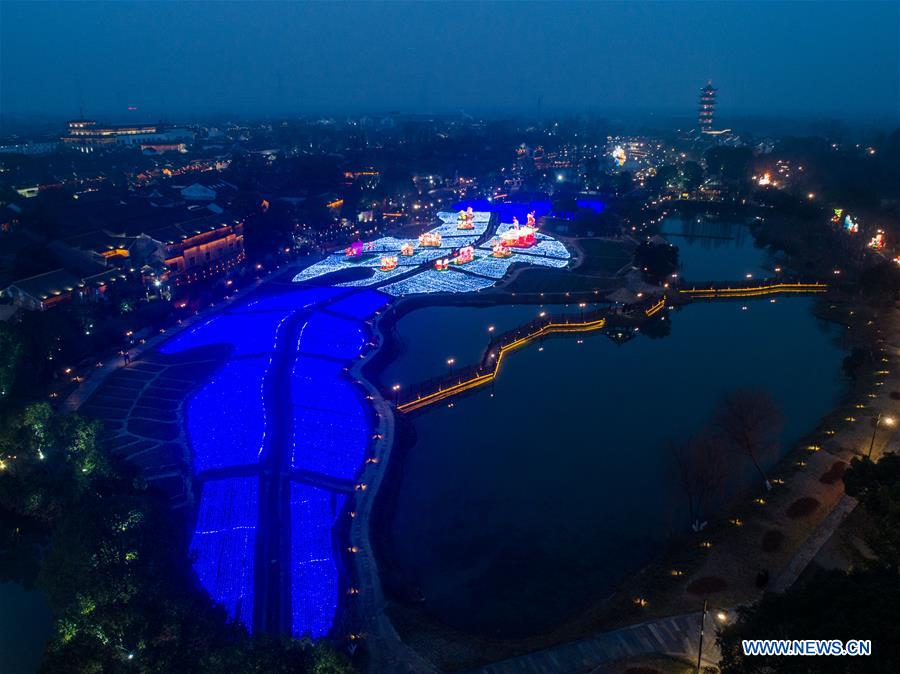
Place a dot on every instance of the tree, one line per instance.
(877, 486)
(657, 261)
(701, 472)
(881, 280)
(114, 564)
(10, 351)
(691, 175)
(749, 422)
(731, 163)
(833, 605)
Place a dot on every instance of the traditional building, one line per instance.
(86, 134)
(707, 108)
(199, 249)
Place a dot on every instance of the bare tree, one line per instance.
(701, 471)
(749, 422)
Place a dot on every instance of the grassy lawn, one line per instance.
(603, 257)
(534, 279)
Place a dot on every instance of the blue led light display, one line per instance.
(224, 543)
(314, 573)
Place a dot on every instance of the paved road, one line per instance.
(678, 636)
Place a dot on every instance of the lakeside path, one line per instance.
(387, 653)
(91, 383)
(678, 635)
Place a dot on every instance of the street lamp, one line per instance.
(888, 421)
(396, 389)
(582, 305)
(450, 362)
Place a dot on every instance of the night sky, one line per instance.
(803, 59)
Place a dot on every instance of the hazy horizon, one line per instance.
(183, 61)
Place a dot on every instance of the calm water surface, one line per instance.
(716, 250)
(429, 337)
(515, 510)
(25, 626)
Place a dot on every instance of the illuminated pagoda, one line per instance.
(520, 237)
(430, 240)
(406, 250)
(500, 250)
(466, 219)
(466, 254)
(388, 262)
(443, 264)
(707, 107)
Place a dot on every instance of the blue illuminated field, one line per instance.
(224, 544)
(315, 584)
(281, 400)
(226, 417)
(245, 334)
(331, 336)
(361, 305)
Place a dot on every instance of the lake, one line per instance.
(514, 510)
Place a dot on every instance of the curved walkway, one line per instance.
(678, 636)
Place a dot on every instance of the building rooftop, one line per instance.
(44, 286)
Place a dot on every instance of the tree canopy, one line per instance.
(111, 557)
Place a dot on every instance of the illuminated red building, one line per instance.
(202, 248)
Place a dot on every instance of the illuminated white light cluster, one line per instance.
(542, 261)
(546, 245)
(547, 252)
(494, 267)
(332, 263)
(432, 281)
(375, 278)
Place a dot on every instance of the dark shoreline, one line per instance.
(408, 611)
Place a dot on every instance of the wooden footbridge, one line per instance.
(489, 368)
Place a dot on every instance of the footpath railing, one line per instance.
(487, 370)
(755, 290)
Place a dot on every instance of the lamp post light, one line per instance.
(702, 625)
(450, 362)
(396, 389)
(888, 421)
(581, 306)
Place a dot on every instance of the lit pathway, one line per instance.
(814, 543)
(677, 636)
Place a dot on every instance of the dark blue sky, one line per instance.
(181, 59)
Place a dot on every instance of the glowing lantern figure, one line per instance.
(618, 155)
(407, 249)
(836, 218)
(465, 254)
(850, 226)
(500, 250)
(354, 249)
(877, 242)
(430, 239)
(765, 180)
(466, 219)
(442, 265)
(520, 237)
(388, 262)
